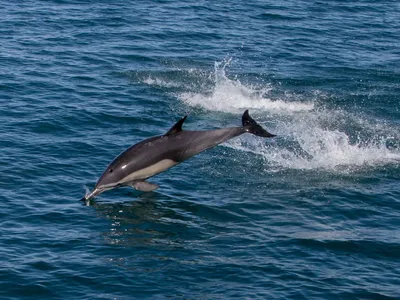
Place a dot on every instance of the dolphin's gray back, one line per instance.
(194, 142)
(177, 147)
(172, 149)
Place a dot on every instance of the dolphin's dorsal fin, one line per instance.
(177, 127)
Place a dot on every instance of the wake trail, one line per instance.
(310, 135)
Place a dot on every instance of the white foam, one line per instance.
(232, 96)
(309, 145)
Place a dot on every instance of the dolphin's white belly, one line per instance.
(149, 171)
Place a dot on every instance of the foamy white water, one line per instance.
(233, 96)
(319, 149)
(313, 140)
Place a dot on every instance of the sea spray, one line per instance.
(312, 134)
(308, 141)
(232, 96)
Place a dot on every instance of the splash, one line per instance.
(314, 142)
(310, 136)
(232, 96)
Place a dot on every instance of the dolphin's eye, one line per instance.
(111, 170)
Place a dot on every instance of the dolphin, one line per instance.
(159, 153)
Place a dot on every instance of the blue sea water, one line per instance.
(311, 214)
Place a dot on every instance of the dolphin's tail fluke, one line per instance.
(253, 127)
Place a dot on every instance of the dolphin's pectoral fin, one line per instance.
(144, 186)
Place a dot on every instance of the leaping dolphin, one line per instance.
(157, 154)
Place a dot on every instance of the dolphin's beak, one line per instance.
(91, 195)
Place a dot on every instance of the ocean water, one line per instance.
(313, 213)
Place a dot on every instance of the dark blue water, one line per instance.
(311, 214)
